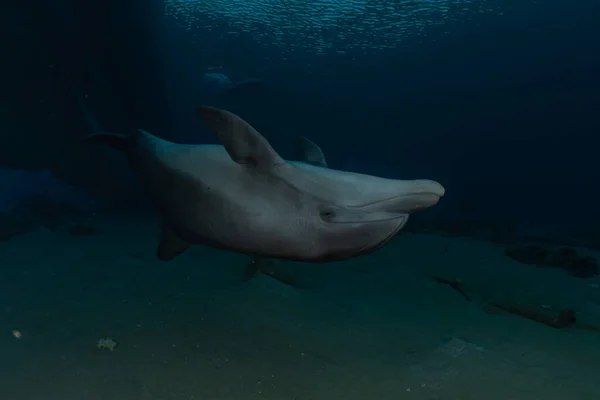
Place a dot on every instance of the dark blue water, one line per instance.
(497, 100)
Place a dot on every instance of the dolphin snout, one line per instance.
(406, 197)
(415, 202)
(419, 195)
(425, 186)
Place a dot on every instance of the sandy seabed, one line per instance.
(376, 327)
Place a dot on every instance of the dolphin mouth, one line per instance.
(415, 202)
(374, 247)
(405, 203)
(414, 196)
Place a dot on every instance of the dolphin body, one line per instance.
(220, 85)
(243, 197)
(307, 152)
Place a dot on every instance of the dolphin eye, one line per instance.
(327, 214)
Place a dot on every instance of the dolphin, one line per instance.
(242, 196)
(220, 85)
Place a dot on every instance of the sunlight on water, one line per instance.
(325, 26)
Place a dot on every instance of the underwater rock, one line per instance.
(530, 255)
(583, 267)
(564, 318)
(565, 258)
(577, 266)
(37, 210)
(559, 318)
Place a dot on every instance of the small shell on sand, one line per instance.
(106, 344)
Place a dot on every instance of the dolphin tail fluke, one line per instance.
(114, 140)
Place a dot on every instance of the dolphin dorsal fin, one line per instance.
(243, 143)
(310, 153)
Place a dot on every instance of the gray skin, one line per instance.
(244, 197)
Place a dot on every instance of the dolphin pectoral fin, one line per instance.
(243, 143)
(310, 153)
(252, 269)
(170, 245)
(266, 266)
